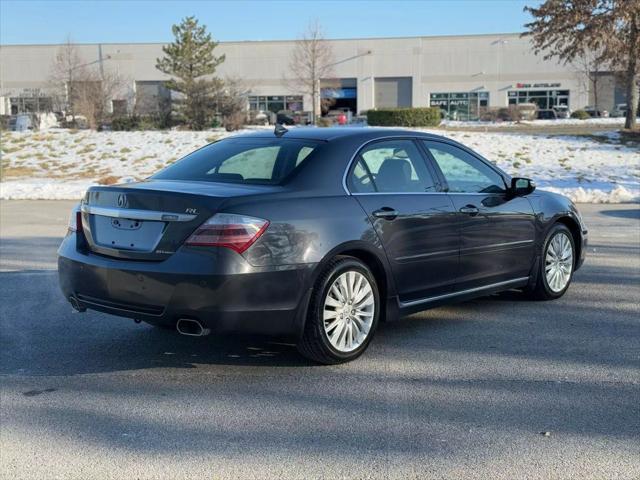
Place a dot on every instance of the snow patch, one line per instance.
(62, 164)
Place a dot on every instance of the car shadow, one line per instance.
(622, 213)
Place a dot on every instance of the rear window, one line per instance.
(238, 160)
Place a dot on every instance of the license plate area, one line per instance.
(126, 234)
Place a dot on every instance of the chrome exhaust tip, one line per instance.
(191, 327)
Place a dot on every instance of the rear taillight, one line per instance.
(237, 232)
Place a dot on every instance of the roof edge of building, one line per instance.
(469, 35)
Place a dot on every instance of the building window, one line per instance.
(461, 105)
(275, 103)
(31, 100)
(544, 99)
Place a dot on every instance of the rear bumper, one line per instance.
(216, 287)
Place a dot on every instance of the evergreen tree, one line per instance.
(190, 61)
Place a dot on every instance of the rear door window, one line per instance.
(391, 166)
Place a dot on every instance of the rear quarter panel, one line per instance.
(310, 230)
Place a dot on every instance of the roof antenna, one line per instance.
(280, 130)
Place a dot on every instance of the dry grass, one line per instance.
(108, 180)
(6, 149)
(17, 171)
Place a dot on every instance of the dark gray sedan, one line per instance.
(316, 235)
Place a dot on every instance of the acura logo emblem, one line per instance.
(122, 201)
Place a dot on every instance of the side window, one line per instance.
(463, 172)
(392, 166)
(302, 154)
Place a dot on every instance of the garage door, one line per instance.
(393, 92)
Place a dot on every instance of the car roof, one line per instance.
(333, 133)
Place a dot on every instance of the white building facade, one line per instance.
(459, 74)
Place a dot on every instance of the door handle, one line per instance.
(387, 213)
(471, 210)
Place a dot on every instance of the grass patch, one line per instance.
(87, 149)
(125, 150)
(17, 171)
(143, 159)
(6, 149)
(108, 180)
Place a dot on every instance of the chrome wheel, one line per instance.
(558, 262)
(349, 309)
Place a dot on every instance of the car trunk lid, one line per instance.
(150, 220)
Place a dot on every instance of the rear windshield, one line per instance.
(238, 160)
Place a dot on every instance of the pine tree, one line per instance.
(190, 61)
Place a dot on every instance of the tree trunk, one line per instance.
(313, 107)
(632, 99)
(632, 79)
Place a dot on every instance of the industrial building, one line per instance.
(460, 74)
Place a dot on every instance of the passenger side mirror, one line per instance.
(521, 186)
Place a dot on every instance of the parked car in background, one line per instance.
(547, 114)
(302, 117)
(620, 110)
(562, 111)
(259, 117)
(525, 111)
(340, 116)
(285, 117)
(316, 235)
(594, 113)
(23, 122)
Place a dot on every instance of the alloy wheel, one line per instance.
(558, 262)
(349, 310)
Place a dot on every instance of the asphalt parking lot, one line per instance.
(464, 391)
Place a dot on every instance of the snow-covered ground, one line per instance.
(61, 164)
(619, 121)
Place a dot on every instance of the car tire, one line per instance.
(343, 312)
(556, 265)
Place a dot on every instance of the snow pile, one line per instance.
(618, 194)
(62, 164)
(619, 121)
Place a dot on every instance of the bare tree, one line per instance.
(93, 93)
(232, 103)
(65, 72)
(311, 61)
(590, 69)
(84, 88)
(567, 28)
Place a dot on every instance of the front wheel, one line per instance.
(343, 312)
(556, 266)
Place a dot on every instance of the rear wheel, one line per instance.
(556, 265)
(343, 312)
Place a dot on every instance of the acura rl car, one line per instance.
(316, 235)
